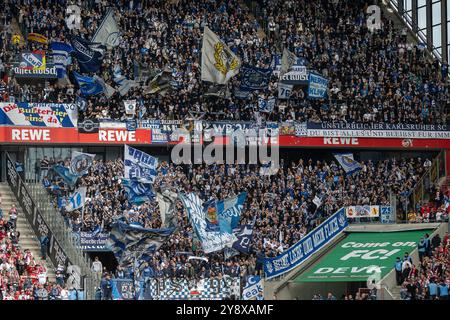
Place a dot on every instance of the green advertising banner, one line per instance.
(363, 255)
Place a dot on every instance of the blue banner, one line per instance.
(244, 236)
(317, 86)
(139, 165)
(61, 57)
(93, 241)
(88, 86)
(88, 54)
(65, 174)
(253, 78)
(307, 246)
(138, 192)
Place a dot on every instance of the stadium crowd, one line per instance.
(282, 205)
(374, 76)
(22, 275)
(428, 278)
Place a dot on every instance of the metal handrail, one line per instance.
(64, 234)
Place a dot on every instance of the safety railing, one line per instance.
(59, 227)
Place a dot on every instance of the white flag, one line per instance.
(287, 61)
(77, 199)
(219, 63)
(108, 33)
(130, 107)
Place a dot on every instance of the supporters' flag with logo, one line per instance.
(65, 174)
(347, 162)
(81, 103)
(81, 162)
(253, 78)
(33, 60)
(210, 241)
(266, 105)
(212, 219)
(219, 63)
(229, 212)
(167, 207)
(131, 242)
(77, 199)
(218, 91)
(161, 82)
(317, 86)
(88, 54)
(139, 165)
(287, 61)
(254, 289)
(61, 57)
(88, 86)
(37, 37)
(108, 33)
(244, 236)
(138, 192)
(130, 107)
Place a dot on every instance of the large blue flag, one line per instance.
(88, 86)
(130, 242)
(139, 165)
(253, 78)
(138, 192)
(65, 174)
(61, 57)
(347, 162)
(88, 54)
(211, 240)
(224, 215)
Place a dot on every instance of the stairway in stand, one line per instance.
(28, 239)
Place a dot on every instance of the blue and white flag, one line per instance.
(124, 84)
(108, 33)
(88, 54)
(229, 212)
(81, 103)
(80, 163)
(139, 165)
(224, 215)
(88, 86)
(167, 207)
(210, 240)
(122, 289)
(253, 78)
(254, 289)
(77, 199)
(65, 174)
(138, 192)
(347, 162)
(61, 57)
(131, 242)
(266, 105)
(317, 86)
(284, 90)
(244, 236)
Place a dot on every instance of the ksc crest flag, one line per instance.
(219, 63)
(211, 241)
(347, 162)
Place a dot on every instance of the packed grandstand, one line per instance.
(96, 95)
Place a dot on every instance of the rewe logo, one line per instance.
(116, 136)
(341, 141)
(30, 134)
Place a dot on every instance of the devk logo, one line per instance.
(262, 149)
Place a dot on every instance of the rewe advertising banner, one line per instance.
(363, 255)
